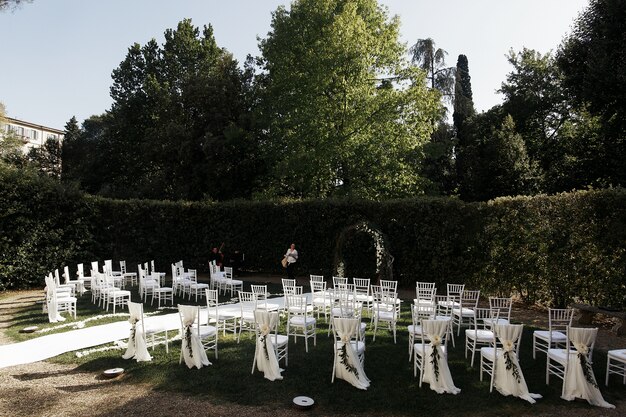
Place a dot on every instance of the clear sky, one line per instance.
(57, 56)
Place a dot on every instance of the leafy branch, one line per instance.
(587, 371)
(343, 356)
(133, 329)
(188, 340)
(263, 340)
(510, 366)
(434, 360)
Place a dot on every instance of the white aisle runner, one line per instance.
(48, 346)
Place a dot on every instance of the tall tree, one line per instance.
(333, 126)
(463, 96)
(593, 60)
(431, 59)
(69, 157)
(178, 127)
(47, 158)
(495, 161)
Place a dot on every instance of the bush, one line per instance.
(549, 249)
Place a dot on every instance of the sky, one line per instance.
(57, 56)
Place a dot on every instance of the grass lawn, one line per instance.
(393, 390)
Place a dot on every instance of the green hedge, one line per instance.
(550, 249)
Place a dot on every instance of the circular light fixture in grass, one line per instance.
(303, 403)
(113, 372)
(29, 329)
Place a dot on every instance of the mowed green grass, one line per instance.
(393, 390)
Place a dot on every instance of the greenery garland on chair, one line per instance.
(133, 330)
(434, 356)
(343, 356)
(507, 346)
(263, 340)
(188, 340)
(587, 371)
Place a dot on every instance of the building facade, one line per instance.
(31, 134)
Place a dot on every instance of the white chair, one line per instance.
(260, 291)
(164, 294)
(247, 305)
(58, 303)
(339, 281)
(290, 290)
(424, 293)
(389, 285)
(116, 297)
(127, 277)
(231, 284)
(559, 319)
(349, 353)
(196, 288)
(320, 299)
(481, 334)
(146, 283)
(501, 307)
(431, 358)
(316, 278)
(217, 276)
(197, 338)
(444, 304)
(573, 366)
(77, 284)
(224, 320)
(62, 288)
(80, 275)
(616, 364)
(142, 336)
(343, 302)
(300, 322)
(465, 312)
(116, 276)
(454, 292)
(362, 293)
(500, 361)
(287, 283)
(103, 286)
(271, 347)
(386, 310)
(419, 312)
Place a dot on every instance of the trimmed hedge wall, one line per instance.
(550, 249)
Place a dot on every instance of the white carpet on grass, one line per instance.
(48, 346)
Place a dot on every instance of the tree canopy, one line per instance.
(593, 61)
(178, 122)
(345, 114)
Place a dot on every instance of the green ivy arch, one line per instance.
(384, 259)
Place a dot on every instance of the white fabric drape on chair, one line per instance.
(346, 330)
(193, 351)
(504, 380)
(436, 330)
(576, 384)
(51, 301)
(137, 346)
(266, 360)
